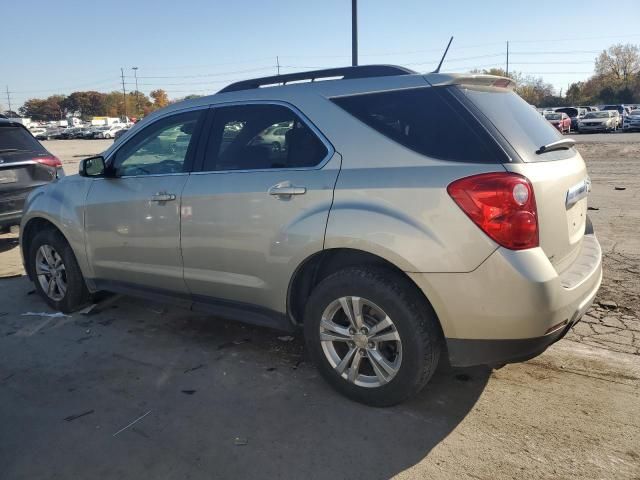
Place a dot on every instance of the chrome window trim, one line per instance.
(331, 151)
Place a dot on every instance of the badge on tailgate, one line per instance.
(578, 192)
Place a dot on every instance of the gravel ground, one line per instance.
(136, 389)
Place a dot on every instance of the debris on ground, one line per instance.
(593, 208)
(235, 342)
(194, 368)
(608, 304)
(188, 392)
(620, 188)
(240, 441)
(87, 310)
(286, 338)
(132, 423)
(71, 418)
(45, 314)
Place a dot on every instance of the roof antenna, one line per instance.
(437, 70)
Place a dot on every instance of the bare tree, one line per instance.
(620, 62)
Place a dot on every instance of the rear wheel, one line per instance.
(55, 272)
(371, 335)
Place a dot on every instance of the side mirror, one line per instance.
(92, 167)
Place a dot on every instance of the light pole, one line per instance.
(135, 74)
(354, 33)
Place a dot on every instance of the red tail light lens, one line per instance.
(49, 161)
(502, 205)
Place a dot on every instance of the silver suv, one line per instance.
(401, 217)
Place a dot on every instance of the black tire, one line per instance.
(414, 319)
(76, 295)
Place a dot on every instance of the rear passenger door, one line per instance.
(259, 204)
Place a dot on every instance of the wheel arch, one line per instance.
(30, 229)
(322, 264)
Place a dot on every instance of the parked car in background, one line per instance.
(574, 113)
(559, 120)
(121, 132)
(588, 108)
(108, 131)
(389, 234)
(602, 121)
(24, 165)
(632, 121)
(621, 109)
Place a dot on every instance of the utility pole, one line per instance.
(124, 92)
(278, 65)
(135, 74)
(507, 58)
(354, 33)
(8, 98)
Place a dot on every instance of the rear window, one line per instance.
(427, 120)
(520, 124)
(17, 138)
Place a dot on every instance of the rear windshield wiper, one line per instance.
(564, 144)
(7, 150)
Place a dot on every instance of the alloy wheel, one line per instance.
(51, 272)
(360, 341)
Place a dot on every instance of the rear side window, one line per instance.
(520, 123)
(18, 139)
(261, 137)
(428, 120)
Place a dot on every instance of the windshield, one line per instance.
(597, 115)
(553, 116)
(522, 126)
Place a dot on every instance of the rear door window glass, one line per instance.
(261, 137)
(428, 120)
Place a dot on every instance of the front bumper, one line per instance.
(11, 208)
(514, 305)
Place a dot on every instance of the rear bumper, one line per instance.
(514, 305)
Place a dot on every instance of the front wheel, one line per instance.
(373, 337)
(55, 272)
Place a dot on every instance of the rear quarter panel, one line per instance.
(393, 202)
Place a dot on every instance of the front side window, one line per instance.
(160, 148)
(261, 137)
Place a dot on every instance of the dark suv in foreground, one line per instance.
(24, 165)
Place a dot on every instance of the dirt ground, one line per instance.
(135, 389)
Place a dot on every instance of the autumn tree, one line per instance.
(621, 63)
(51, 108)
(160, 98)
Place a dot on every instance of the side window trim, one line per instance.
(203, 145)
(190, 159)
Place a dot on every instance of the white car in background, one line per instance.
(108, 131)
(602, 121)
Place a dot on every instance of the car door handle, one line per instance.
(163, 197)
(286, 190)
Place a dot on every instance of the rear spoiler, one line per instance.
(480, 80)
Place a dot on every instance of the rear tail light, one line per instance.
(502, 205)
(49, 161)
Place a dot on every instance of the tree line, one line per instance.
(87, 104)
(616, 79)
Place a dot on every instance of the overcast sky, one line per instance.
(197, 46)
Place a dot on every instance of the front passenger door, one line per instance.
(133, 218)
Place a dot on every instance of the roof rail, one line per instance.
(344, 73)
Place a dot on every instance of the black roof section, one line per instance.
(344, 73)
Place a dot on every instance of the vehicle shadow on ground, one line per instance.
(227, 400)
(8, 243)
